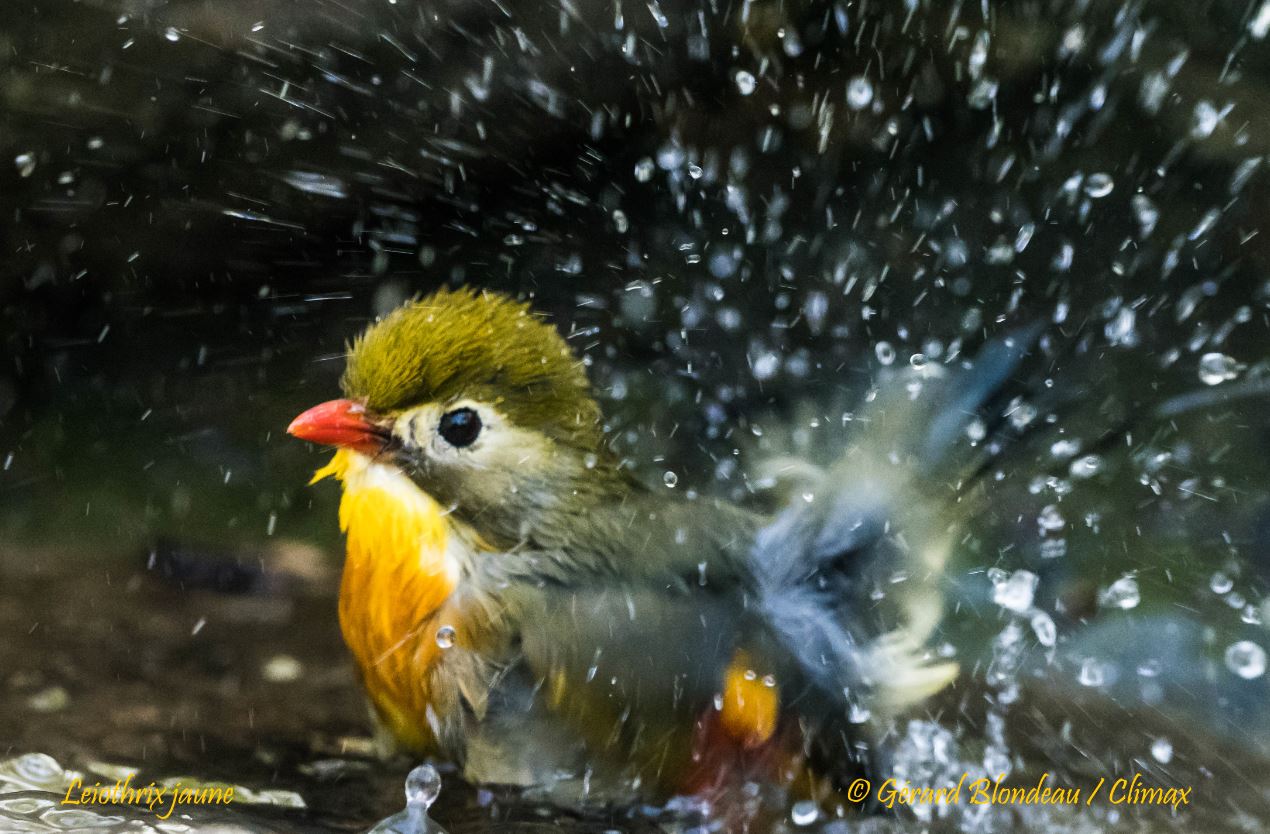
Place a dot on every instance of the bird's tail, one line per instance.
(851, 571)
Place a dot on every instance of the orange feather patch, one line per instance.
(397, 574)
(751, 703)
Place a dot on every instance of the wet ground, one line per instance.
(109, 665)
(252, 688)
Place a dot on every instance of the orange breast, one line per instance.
(399, 570)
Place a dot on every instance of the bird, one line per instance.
(521, 605)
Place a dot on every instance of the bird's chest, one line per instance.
(401, 568)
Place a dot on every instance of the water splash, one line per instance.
(423, 786)
(33, 788)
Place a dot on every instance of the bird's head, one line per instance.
(479, 401)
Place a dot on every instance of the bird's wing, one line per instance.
(656, 652)
(851, 577)
(685, 688)
(636, 632)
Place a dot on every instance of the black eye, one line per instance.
(460, 427)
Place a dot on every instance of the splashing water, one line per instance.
(1246, 659)
(423, 786)
(35, 789)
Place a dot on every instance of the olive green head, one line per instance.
(469, 345)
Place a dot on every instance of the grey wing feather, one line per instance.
(851, 578)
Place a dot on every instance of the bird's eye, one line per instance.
(460, 427)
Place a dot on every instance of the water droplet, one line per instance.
(983, 94)
(644, 169)
(1016, 591)
(917, 361)
(1000, 252)
(172, 34)
(804, 812)
(884, 352)
(1021, 414)
(1216, 368)
(1205, 223)
(1162, 750)
(445, 636)
(1024, 236)
(282, 668)
(766, 365)
(745, 82)
(979, 54)
(671, 156)
(658, 15)
(815, 308)
(1146, 213)
(1206, 118)
(323, 185)
(1099, 185)
(1246, 659)
(1007, 653)
(1086, 466)
(1093, 672)
(670, 479)
(25, 163)
(1044, 629)
(1074, 40)
(1064, 449)
(1221, 583)
(423, 786)
(49, 699)
(1120, 328)
(859, 93)
(1123, 594)
(1259, 25)
(1050, 519)
(1062, 262)
(1053, 548)
(39, 768)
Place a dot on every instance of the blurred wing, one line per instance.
(632, 669)
(691, 691)
(851, 578)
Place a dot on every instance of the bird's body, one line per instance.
(517, 603)
(441, 636)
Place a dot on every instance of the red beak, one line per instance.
(340, 423)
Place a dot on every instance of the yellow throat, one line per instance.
(399, 570)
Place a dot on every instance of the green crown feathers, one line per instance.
(465, 344)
